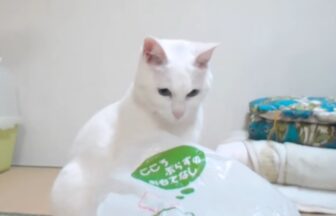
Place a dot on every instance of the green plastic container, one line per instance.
(7, 143)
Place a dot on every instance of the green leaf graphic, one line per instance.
(172, 169)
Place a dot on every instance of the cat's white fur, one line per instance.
(116, 134)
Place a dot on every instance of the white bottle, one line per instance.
(9, 116)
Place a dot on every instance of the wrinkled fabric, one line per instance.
(311, 134)
(320, 110)
(289, 164)
(297, 168)
(310, 200)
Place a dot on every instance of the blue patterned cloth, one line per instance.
(296, 132)
(307, 120)
(320, 110)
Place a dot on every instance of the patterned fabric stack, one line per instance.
(308, 120)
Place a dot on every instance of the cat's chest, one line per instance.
(135, 132)
(138, 131)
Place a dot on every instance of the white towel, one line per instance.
(309, 200)
(310, 168)
(287, 163)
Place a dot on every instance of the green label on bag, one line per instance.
(172, 169)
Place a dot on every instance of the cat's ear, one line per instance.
(203, 58)
(153, 52)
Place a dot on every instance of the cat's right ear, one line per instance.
(153, 52)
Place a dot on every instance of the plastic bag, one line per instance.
(191, 180)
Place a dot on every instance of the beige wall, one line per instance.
(72, 57)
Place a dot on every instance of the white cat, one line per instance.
(172, 80)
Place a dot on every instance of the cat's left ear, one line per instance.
(205, 54)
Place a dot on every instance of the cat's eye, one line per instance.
(165, 92)
(193, 93)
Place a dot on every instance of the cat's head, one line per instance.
(173, 77)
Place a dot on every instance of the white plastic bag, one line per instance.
(190, 180)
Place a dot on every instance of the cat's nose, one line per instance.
(178, 114)
(178, 109)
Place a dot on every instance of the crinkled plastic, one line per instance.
(191, 180)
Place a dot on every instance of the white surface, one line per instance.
(73, 57)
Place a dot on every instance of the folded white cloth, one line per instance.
(309, 200)
(310, 168)
(287, 163)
